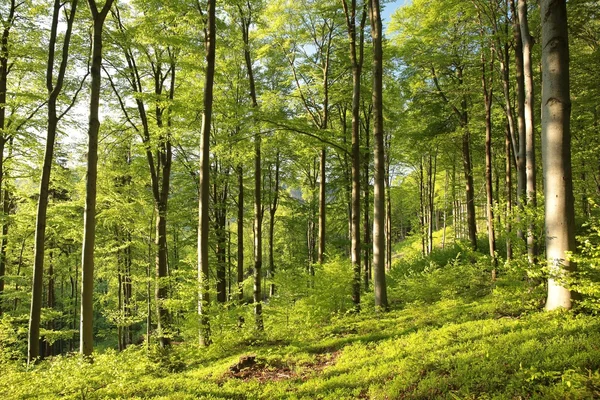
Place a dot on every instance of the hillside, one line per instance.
(451, 333)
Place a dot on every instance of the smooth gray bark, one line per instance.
(203, 228)
(556, 152)
(356, 41)
(530, 166)
(54, 88)
(379, 160)
(86, 332)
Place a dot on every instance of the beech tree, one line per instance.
(356, 39)
(54, 86)
(89, 218)
(379, 163)
(556, 152)
(530, 167)
(203, 224)
(7, 24)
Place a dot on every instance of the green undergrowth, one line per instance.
(451, 334)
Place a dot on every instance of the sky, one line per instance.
(389, 8)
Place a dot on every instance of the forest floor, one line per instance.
(451, 333)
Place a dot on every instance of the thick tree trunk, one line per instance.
(379, 161)
(556, 151)
(529, 126)
(203, 245)
(86, 338)
(54, 89)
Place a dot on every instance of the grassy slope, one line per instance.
(450, 334)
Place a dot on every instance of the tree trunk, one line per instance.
(220, 219)
(50, 301)
(86, 333)
(430, 201)
(322, 207)
(508, 174)
(54, 89)
(4, 71)
(159, 164)
(520, 153)
(529, 126)
(356, 60)
(367, 222)
(273, 209)
(488, 98)
(127, 293)
(381, 301)
(203, 245)
(469, 189)
(388, 206)
(422, 208)
(445, 215)
(240, 234)
(258, 211)
(556, 150)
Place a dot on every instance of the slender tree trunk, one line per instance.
(272, 210)
(119, 293)
(203, 245)
(470, 190)
(508, 174)
(149, 287)
(520, 153)
(488, 98)
(240, 234)
(6, 205)
(379, 160)
(556, 150)
(529, 126)
(367, 222)
(127, 293)
(388, 207)
(4, 71)
(50, 301)
(445, 211)
(220, 219)
(54, 89)
(86, 338)
(422, 208)
(322, 206)
(258, 210)
(430, 201)
(356, 40)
